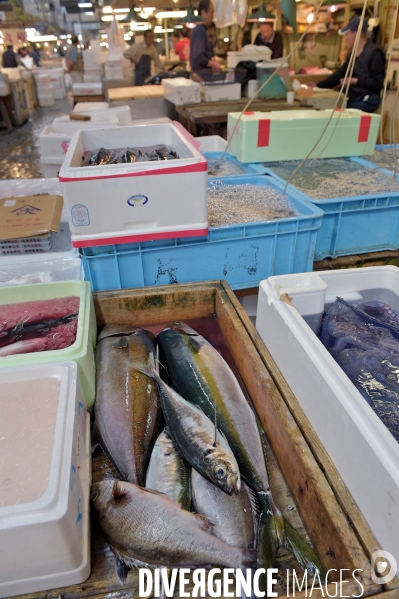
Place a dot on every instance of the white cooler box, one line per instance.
(211, 143)
(54, 139)
(364, 452)
(46, 96)
(124, 203)
(87, 89)
(181, 91)
(90, 106)
(218, 92)
(92, 77)
(121, 113)
(44, 513)
(51, 166)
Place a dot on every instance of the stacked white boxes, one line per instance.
(123, 203)
(45, 89)
(87, 89)
(91, 66)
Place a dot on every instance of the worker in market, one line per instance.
(368, 74)
(201, 54)
(9, 59)
(182, 46)
(270, 38)
(74, 61)
(142, 54)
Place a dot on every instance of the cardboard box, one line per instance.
(29, 216)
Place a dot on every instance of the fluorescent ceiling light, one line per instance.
(121, 10)
(42, 38)
(171, 14)
(85, 4)
(107, 10)
(89, 13)
(107, 18)
(138, 26)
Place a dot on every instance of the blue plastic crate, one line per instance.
(248, 169)
(241, 254)
(369, 164)
(354, 224)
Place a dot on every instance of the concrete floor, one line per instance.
(19, 150)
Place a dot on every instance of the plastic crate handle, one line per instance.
(187, 135)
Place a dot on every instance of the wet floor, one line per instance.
(19, 150)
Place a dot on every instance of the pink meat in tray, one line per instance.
(40, 325)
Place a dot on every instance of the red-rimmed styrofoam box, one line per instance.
(291, 134)
(140, 201)
(362, 449)
(54, 140)
(46, 475)
(87, 89)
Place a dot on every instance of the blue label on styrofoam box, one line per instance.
(137, 200)
(80, 215)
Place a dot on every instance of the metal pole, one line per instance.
(167, 54)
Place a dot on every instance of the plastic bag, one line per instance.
(363, 338)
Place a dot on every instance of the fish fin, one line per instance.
(195, 343)
(95, 437)
(122, 570)
(253, 501)
(118, 490)
(249, 558)
(129, 561)
(303, 553)
(204, 522)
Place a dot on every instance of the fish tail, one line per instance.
(122, 571)
(303, 553)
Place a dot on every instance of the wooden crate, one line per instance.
(322, 503)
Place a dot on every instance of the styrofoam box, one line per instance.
(51, 167)
(291, 134)
(87, 89)
(211, 143)
(220, 91)
(81, 351)
(113, 72)
(54, 139)
(123, 203)
(90, 106)
(121, 113)
(44, 513)
(92, 77)
(181, 91)
(46, 96)
(365, 454)
(254, 53)
(104, 120)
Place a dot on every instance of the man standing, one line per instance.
(9, 58)
(75, 61)
(141, 54)
(270, 38)
(368, 73)
(201, 55)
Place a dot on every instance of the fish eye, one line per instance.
(94, 495)
(220, 473)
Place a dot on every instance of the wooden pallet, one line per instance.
(301, 474)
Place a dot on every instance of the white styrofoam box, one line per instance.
(13, 74)
(139, 201)
(106, 119)
(253, 53)
(44, 513)
(90, 106)
(181, 91)
(113, 73)
(91, 77)
(221, 91)
(91, 61)
(152, 121)
(87, 89)
(291, 134)
(54, 139)
(365, 454)
(42, 80)
(46, 96)
(120, 114)
(51, 166)
(211, 143)
(251, 88)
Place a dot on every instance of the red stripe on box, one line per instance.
(263, 133)
(137, 238)
(364, 129)
(249, 113)
(190, 168)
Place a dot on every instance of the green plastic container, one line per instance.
(276, 88)
(291, 134)
(82, 351)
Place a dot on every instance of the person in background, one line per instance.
(182, 48)
(74, 61)
(9, 59)
(368, 73)
(25, 59)
(34, 53)
(270, 38)
(142, 54)
(201, 55)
